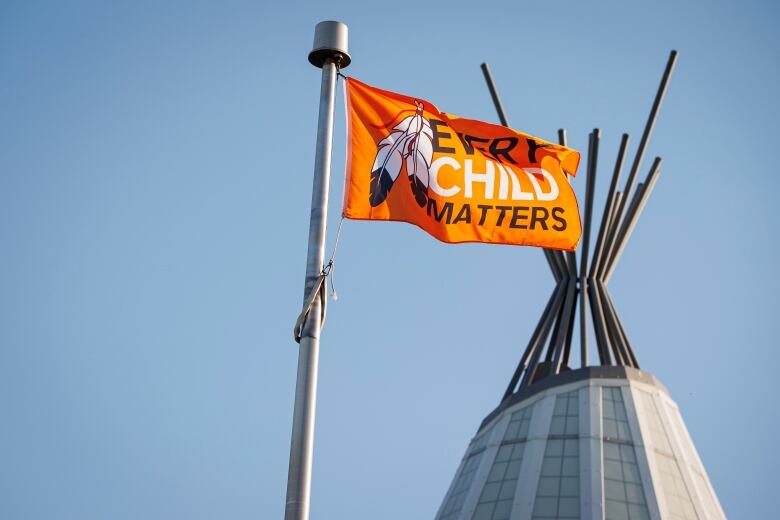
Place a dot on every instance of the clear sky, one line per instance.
(155, 178)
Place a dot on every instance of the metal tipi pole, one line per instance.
(329, 53)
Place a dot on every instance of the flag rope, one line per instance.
(320, 291)
(331, 267)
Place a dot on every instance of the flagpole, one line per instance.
(329, 52)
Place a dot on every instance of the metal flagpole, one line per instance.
(329, 53)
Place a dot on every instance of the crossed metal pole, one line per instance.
(552, 337)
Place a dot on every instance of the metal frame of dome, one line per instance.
(543, 358)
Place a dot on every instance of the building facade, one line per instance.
(604, 443)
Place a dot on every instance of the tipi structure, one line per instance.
(604, 441)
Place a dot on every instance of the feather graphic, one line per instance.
(418, 160)
(410, 143)
(387, 166)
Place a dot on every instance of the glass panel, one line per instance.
(569, 507)
(462, 484)
(503, 509)
(504, 452)
(676, 496)
(481, 441)
(615, 421)
(495, 502)
(558, 493)
(457, 496)
(497, 473)
(483, 512)
(616, 510)
(624, 497)
(570, 487)
(548, 486)
(513, 469)
(545, 507)
(707, 496)
(555, 447)
(518, 425)
(565, 415)
(678, 500)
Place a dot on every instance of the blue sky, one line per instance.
(155, 177)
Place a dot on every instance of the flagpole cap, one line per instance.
(330, 43)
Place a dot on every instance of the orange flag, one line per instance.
(460, 180)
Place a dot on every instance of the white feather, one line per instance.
(389, 154)
(420, 153)
(387, 165)
(403, 126)
(410, 142)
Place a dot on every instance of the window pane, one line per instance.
(570, 487)
(484, 511)
(545, 507)
(495, 501)
(503, 510)
(548, 486)
(554, 448)
(558, 491)
(497, 472)
(569, 507)
(623, 494)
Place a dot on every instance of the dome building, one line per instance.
(604, 441)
